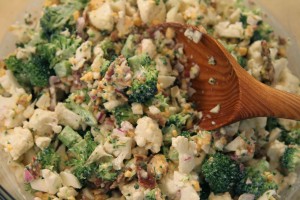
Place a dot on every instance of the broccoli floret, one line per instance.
(104, 67)
(17, 67)
(205, 190)
(145, 79)
(58, 18)
(188, 133)
(242, 61)
(243, 19)
(221, 172)
(108, 48)
(86, 115)
(49, 159)
(169, 132)
(159, 101)
(262, 32)
(290, 159)
(124, 113)
(255, 180)
(291, 137)
(151, 195)
(272, 123)
(80, 153)
(129, 46)
(69, 137)
(106, 172)
(179, 120)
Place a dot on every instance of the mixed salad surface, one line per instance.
(93, 107)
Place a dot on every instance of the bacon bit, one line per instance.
(268, 68)
(117, 182)
(188, 158)
(101, 116)
(149, 180)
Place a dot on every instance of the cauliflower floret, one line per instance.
(16, 141)
(83, 53)
(181, 186)
(166, 81)
(42, 142)
(67, 193)
(44, 122)
(131, 192)
(186, 150)
(227, 30)
(97, 154)
(274, 152)
(268, 195)
(50, 183)
(163, 65)
(151, 11)
(103, 17)
(203, 141)
(67, 117)
(158, 166)
(174, 16)
(44, 101)
(224, 196)
(137, 108)
(9, 82)
(68, 179)
(148, 47)
(148, 134)
(257, 123)
(120, 147)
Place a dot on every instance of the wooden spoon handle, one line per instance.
(258, 100)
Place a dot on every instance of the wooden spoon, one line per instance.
(227, 86)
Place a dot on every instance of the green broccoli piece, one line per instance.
(221, 172)
(124, 113)
(291, 137)
(58, 18)
(290, 159)
(86, 115)
(80, 153)
(255, 180)
(63, 68)
(17, 67)
(159, 101)
(104, 67)
(69, 137)
(272, 123)
(144, 83)
(243, 19)
(150, 195)
(179, 120)
(242, 61)
(263, 32)
(106, 172)
(129, 46)
(205, 190)
(187, 134)
(49, 159)
(108, 48)
(169, 132)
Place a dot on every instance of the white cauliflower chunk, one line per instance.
(181, 186)
(103, 17)
(44, 101)
(120, 147)
(69, 179)
(67, 117)
(67, 193)
(148, 47)
(227, 30)
(9, 82)
(186, 150)
(150, 12)
(224, 196)
(130, 192)
(16, 141)
(174, 16)
(137, 108)
(42, 142)
(50, 183)
(163, 65)
(83, 53)
(148, 134)
(274, 152)
(44, 122)
(97, 154)
(268, 195)
(166, 81)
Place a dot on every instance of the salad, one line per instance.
(94, 107)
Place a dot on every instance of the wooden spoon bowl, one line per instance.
(223, 83)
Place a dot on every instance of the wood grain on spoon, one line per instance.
(228, 86)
